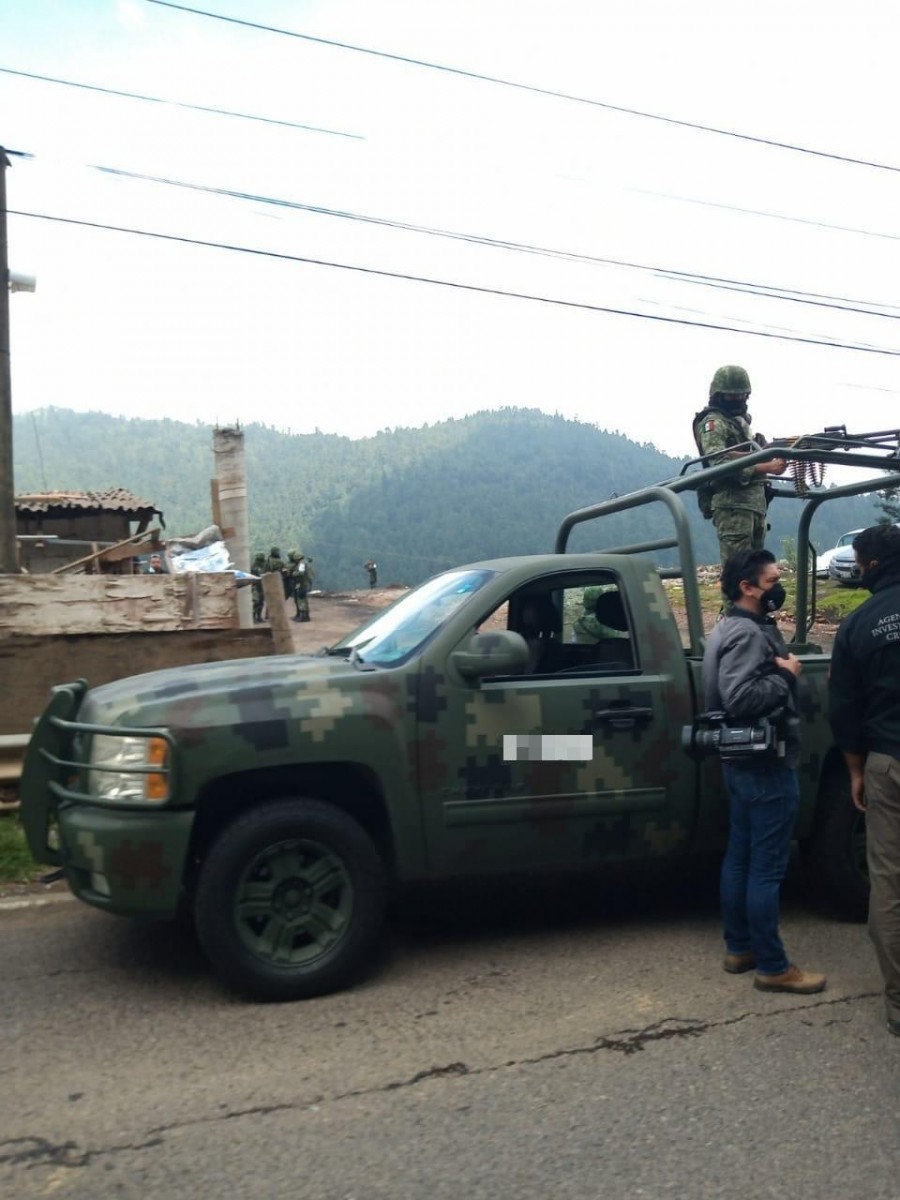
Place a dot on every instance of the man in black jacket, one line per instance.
(748, 673)
(865, 719)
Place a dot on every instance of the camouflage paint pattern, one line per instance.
(432, 740)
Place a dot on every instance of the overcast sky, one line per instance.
(137, 326)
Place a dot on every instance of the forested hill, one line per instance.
(416, 500)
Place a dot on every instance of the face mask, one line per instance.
(773, 599)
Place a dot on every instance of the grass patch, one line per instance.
(16, 863)
(834, 602)
(710, 594)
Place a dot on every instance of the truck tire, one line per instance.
(836, 855)
(290, 900)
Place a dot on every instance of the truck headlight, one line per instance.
(129, 770)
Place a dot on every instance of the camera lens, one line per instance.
(700, 741)
(707, 739)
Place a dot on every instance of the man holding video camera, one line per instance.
(750, 678)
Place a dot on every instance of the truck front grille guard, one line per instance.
(78, 729)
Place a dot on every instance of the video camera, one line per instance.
(754, 741)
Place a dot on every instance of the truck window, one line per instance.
(405, 627)
(580, 625)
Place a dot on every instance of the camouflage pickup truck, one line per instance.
(522, 713)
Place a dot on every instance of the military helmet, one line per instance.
(274, 552)
(259, 558)
(730, 381)
(294, 555)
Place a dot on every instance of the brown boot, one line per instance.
(737, 964)
(801, 983)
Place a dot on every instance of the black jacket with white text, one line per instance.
(865, 674)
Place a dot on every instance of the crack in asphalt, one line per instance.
(35, 1151)
(39, 1151)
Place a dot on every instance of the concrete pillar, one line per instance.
(233, 515)
(8, 562)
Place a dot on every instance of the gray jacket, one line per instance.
(740, 675)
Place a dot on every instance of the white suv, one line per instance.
(824, 560)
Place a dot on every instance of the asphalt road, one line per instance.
(536, 1041)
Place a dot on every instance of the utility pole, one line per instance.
(8, 561)
(231, 502)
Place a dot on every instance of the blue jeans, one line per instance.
(764, 803)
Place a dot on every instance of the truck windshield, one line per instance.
(407, 625)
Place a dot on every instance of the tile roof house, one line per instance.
(54, 528)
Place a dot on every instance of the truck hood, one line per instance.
(221, 693)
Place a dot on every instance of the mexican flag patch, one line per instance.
(709, 425)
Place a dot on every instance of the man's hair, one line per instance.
(881, 542)
(745, 565)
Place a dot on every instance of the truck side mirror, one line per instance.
(500, 653)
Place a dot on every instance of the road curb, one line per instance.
(14, 903)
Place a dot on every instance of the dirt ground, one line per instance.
(335, 614)
(821, 634)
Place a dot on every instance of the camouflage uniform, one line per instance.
(738, 503)
(588, 629)
(300, 575)
(289, 572)
(259, 566)
(275, 563)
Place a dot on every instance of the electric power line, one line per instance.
(222, 112)
(841, 303)
(466, 287)
(767, 291)
(757, 212)
(763, 291)
(524, 87)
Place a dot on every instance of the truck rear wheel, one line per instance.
(290, 900)
(836, 856)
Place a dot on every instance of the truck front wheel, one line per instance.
(290, 900)
(836, 856)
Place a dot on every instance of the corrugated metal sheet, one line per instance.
(111, 500)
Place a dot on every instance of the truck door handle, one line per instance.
(623, 718)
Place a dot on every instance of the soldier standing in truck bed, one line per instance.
(736, 505)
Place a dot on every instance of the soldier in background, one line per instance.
(277, 564)
(372, 567)
(289, 572)
(736, 505)
(298, 574)
(259, 567)
(303, 579)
